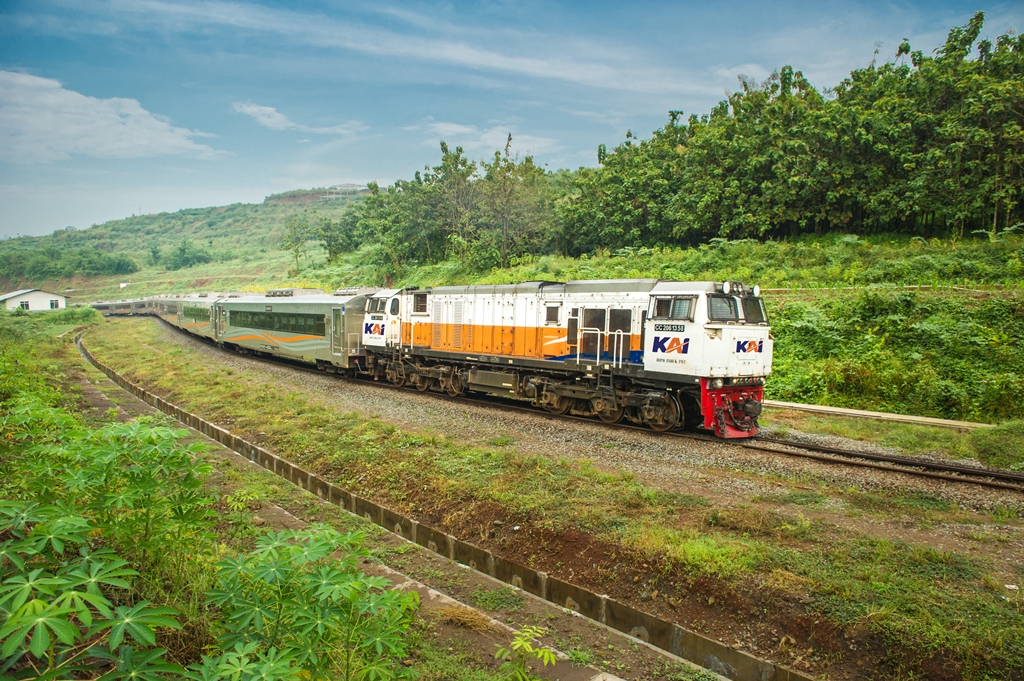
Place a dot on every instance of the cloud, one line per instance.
(599, 66)
(269, 117)
(474, 139)
(41, 121)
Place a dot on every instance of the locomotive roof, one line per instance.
(577, 286)
(684, 287)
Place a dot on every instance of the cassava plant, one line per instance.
(58, 611)
(522, 650)
(297, 607)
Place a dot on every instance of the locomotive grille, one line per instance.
(457, 321)
(437, 320)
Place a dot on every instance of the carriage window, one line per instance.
(552, 317)
(753, 310)
(394, 306)
(722, 308)
(420, 302)
(310, 324)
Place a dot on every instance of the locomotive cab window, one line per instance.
(753, 311)
(552, 314)
(674, 308)
(723, 309)
(419, 302)
(395, 307)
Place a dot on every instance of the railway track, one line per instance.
(936, 470)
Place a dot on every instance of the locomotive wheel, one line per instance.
(455, 385)
(672, 417)
(613, 416)
(422, 383)
(400, 380)
(560, 406)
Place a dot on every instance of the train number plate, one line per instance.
(669, 327)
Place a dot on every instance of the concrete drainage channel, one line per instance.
(668, 636)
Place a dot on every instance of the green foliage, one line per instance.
(291, 606)
(501, 598)
(185, 254)
(297, 234)
(932, 147)
(484, 215)
(50, 262)
(521, 651)
(58, 615)
(890, 350)
(126, 513)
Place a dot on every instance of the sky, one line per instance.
(121, 107)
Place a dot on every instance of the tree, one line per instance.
(514, 203)
(296, 236)
(455, 196)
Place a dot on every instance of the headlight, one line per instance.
(726, 288)
(717, 383)
(757, 291)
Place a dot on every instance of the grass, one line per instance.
(1000, 446)
(890, 587)
(501, 598)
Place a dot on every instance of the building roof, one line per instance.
(23, 291)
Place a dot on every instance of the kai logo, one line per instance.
(743, 347)
(371, 329)
(669, 344)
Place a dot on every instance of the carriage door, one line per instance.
(592, 331)
(337, 331)
(222, 321)
(393, 334)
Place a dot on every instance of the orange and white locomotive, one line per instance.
(662, 353)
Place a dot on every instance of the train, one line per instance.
(665, 354)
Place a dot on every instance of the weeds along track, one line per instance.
(906, 465)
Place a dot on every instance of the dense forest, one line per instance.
(920, 146)
(51, 262)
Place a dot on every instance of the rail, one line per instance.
(876, 415)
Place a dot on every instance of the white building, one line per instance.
(34, 300)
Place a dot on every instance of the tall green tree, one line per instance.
(515, 205)
(296, 237)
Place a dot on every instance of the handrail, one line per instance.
(618, 345)
(582, 334)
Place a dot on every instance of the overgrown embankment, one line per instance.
(902, 605)
(111, 565)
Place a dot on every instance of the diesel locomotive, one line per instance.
(667, 354)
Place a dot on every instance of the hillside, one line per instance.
(220, 247)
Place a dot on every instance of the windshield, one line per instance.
(675, 308)
(723, 309)
(753, 311)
